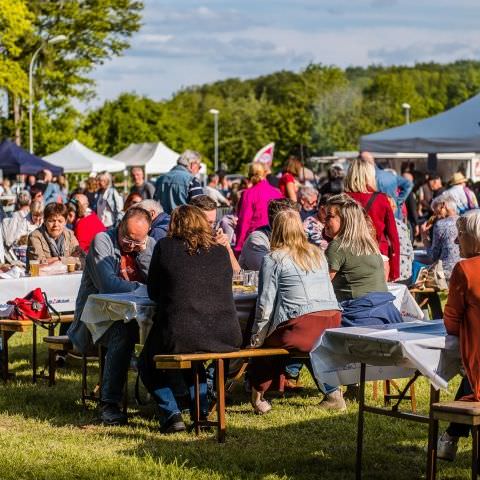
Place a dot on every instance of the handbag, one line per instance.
(432, 276)
(35, 307)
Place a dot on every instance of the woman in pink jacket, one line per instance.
(253, 205)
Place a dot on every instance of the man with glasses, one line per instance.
(117, 262)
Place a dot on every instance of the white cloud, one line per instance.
(208, 40)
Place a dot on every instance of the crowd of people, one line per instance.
(324, 252)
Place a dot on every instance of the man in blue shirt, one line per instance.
(395, 186)
(179, 185)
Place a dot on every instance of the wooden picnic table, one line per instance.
(10, 327)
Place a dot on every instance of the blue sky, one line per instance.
(189, 42)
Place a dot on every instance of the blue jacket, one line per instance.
(171, 189)
(375, 308)
(159, 226)
(394, 186)
(285, 291)
(101, 275)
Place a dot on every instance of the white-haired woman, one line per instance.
(295, 304)
(27, 218)
(461, 317)
(356, 265)
(444, 233)
(110, 203)
(360, 184)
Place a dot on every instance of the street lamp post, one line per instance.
(52, 41)
(215, 113)
(406, 107)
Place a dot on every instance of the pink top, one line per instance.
(253, 210)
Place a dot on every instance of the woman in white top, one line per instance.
(110, 202)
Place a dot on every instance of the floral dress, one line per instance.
(443, 245)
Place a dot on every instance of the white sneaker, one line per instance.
(447, 447)
(334, 401)
(259, 404)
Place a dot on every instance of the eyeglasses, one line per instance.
(133, 243)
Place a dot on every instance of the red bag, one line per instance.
(35, 307)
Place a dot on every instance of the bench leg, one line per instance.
(475, 445)
(413, 398)
(220, 380)
(196, 399)
(34, 353)
(84, 381)
(51, 367)
(361, 414)
(5, 373)
(432, 438)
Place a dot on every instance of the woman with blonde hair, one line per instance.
(360, 184)
(253, 204)
(356, 265)
(295, 304)
(190, 278)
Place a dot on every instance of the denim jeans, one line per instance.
(292, 368)
(119, 341)
(166, 399)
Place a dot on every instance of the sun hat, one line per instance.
(457, 179)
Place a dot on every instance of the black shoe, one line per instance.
(60, 360)
(352, 393)
(173, 425)
(112, 415)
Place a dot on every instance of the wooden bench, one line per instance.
(61, 343)
(467, 413)
(192, 360)
(10, 327)
(428, 297)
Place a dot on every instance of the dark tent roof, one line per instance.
(454, 131)
(15, 160)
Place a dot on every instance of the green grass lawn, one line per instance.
(45, 433)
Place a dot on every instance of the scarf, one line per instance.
(57, 247)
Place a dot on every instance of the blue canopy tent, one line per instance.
(453, 131)
(14, 160)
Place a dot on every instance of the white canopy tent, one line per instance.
(77, 158)
(154, 157)
(454, 131)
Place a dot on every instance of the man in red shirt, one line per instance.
(87, 224)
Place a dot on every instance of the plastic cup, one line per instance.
(70, 267)
(34, 268)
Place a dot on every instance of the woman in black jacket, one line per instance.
(190, 278)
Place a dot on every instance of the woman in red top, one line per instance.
(360, 184)
(86, 223)
(288, 181)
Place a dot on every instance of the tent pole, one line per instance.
(432, 162)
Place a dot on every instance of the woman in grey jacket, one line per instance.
(295, 304)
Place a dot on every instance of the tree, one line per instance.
(118, 123)
(15, 23)
(95, 31)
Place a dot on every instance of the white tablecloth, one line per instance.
(102, 310)
(422, 346)
(61, 290)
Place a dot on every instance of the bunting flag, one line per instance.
(265, 154)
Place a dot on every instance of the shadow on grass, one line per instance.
(316, 448)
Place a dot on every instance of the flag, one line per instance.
(265, 154)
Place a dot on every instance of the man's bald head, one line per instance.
(81, 200)
(367, 157)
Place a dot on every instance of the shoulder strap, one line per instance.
(368, 206)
